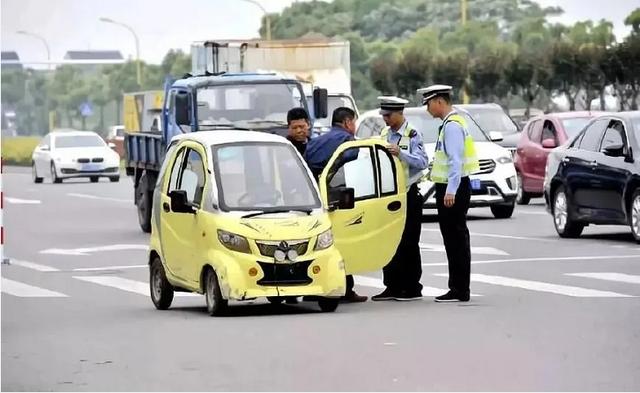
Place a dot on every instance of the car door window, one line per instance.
(192, 177)
(592, 136)
(548, 131)
(46, 142)
(355, 168)
(614, 136)
(175, 171)
(535, 132)
(388, 178)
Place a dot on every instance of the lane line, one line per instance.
(98, 269)
(474, 250)
(540, 286)
(372, 282)
(125, 284)
(34, 266)
(18, 201)
(87, 196)
(544, 259)
(89, 250)
(533, 213)
(497, 236)
(619, 277)
(19, 289)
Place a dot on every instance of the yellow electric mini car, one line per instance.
(237, 215)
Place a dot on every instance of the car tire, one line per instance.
(565, 226)
(143, 203)
(160, 288)
(34, 172)
(216, 304)
(502, 211)
(328, 304)
(94, 179)
(634, 220)
(54, 174)
(114, 179)
(523, 198)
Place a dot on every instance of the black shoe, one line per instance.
(353, 297)
(409, 295)
(387, 294)
(452, 296)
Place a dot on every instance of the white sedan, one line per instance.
(71, 154)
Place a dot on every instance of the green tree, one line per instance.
(452, 69)
(633, 20)
(528, 74)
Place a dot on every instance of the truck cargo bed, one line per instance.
(144, 150)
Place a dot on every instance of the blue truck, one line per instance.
(213, 101)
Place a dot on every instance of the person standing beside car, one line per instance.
(454, 160)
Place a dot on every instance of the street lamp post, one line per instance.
(46, 45)
(463, 20)
(135, 36)
(266, 14)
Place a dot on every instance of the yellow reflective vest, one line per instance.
(470, 164)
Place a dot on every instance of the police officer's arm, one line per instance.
(416, 157)
(454, 147)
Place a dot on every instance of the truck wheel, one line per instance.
(328, 304)
(216, 304)
(502, 211)
(565, 225)
(160, 288)
(144, 202)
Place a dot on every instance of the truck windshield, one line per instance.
(262, 176)
(333, 102)
(260, 105)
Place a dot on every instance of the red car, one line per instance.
(538, 137)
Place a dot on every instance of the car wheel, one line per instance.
(34, 173)
(523, 198)
(54, 174)
(160, 288)
(94, 179)
(143, 203)
(502, 211)
(565, 226)
(635, 215)
(114, 179)
(216, 304)
(328, 304)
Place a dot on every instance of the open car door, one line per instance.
(368, 232)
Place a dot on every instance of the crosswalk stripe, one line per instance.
(372, 282)
(620, 277)
(34, 266)
(19, 289)
(541, 286)
(125, 284)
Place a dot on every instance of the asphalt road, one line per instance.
(550, 313)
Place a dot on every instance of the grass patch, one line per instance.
(18, 150)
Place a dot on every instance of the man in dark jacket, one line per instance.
(320, 150)
(298, 122)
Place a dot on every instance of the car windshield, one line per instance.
(260, 105)
(574, 125)
(63, 142)
(334, 102)
(262, 176)
(636, 126)
(493, 119)
(429, 126)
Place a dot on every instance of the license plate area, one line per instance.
(476, 184)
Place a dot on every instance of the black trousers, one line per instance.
(405, 269)
(455, 234)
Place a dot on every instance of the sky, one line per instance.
(165, 24)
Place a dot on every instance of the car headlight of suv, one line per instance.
(234, 242)
(505, 160)
(325, 240)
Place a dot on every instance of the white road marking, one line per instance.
(89, 250)
(139, 287)
(497, 236)
(474, 250)
(620, 277)
(541, 286)
(98, 269)
(18, 201)
(534, 213)
(543, 259)
(87, 196)
(372, 282)
(34, 266)
(19, 289)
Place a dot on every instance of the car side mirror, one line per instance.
(180, 203)
(320, 105)
(614, 150)
(342, 198)
(495, 136)
(549, 143)
(182, 112)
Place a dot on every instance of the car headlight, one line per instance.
(234, 242)
(325, 240)
(505, 160)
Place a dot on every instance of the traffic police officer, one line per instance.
(454, 160)
(402, 274)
